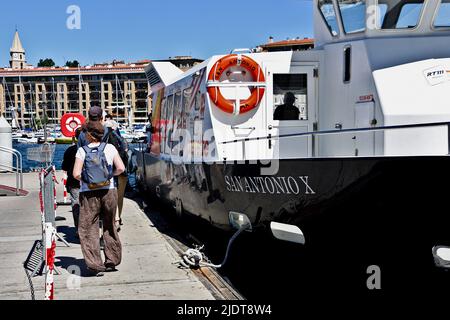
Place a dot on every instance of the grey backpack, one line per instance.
(97, 173)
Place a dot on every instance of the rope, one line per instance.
(195, 258)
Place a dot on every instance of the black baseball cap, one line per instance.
(95, 112)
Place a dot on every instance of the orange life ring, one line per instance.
(250, 65)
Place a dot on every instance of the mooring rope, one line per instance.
(195, 258)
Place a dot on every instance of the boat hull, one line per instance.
(382, 211)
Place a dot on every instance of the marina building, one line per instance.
(31, 95)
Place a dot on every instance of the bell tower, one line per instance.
(17, 60)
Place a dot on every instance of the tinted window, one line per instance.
(403, 14)
(290, 97)
(443, 16)
(327, 9)
(409, 15)
(353, 15)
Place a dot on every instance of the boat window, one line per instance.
(290, 97)
(443, 16)
(327, 9)
(353, 13)
(347, 63)
(164, 123)
(156, 143)
(400, 14)
(382, 9)
(176, 121)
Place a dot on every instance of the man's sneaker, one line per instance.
(110, 267)
(96, 273)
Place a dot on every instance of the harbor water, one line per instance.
(29, 165)
(60, 149)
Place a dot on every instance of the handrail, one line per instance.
(18, 168)
(326, 132)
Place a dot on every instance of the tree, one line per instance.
(46, 63)
(72, 64)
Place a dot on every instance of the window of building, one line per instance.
(353, 14)
(290, 97)
(442, 19)
(327, 9)
(403, 14)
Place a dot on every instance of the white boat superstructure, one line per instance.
(376, 64)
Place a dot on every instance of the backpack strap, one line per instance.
(102, 146)
(86, 149)
(107, 135)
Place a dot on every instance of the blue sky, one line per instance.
(147, 29)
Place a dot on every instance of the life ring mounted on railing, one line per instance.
(257, 88)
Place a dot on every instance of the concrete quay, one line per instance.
(146, 273)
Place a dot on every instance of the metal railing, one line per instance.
(18, 168)
(313, 134)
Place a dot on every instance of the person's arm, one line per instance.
(78, 168)
(118, 165)
(123, 143)
(65, 164)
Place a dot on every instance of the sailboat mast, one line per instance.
(30, 106)
(22, 120)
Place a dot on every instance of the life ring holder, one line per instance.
(70, 122)
(257, 88)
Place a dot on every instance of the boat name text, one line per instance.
(270, 185)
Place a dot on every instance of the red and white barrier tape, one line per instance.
(49, 237)
(64, 180)
(50, 245)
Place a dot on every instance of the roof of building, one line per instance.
(289, 43)
(137, 67)
(17, 44)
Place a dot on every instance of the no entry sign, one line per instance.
(70, 122)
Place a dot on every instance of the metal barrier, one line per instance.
(48, 208)
(47, 245)
(43, 154)
(18, 168)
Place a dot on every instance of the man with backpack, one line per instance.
(112, 137)
(73, 185)
(94, 167)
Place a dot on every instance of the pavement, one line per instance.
(146, 273)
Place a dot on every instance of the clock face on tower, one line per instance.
(15, 56)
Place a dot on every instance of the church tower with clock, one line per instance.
(18, 60)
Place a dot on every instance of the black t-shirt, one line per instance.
(68, 164)
(286, 112)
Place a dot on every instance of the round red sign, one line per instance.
(70, 122)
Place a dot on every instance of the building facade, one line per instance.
(28, 96)
(31, 95)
